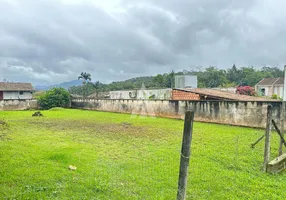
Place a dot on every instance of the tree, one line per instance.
(251, 76)
(212, 77)
(56, 97)
(207, 77)
(85, 77)
(158, 80)
(234, 75)
(97, 85)
(272, 72)
(170, 79)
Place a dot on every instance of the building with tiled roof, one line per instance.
(9, 90)
(270, 86)
(211, 94)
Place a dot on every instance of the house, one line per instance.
(270, 86)
(197, 94)
(10, 90)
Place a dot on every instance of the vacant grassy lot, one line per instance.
(120, 156)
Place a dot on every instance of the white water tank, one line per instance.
(186, 81)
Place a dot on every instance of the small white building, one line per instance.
(270, 86)
(10, 91)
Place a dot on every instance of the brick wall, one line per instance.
(182, 95)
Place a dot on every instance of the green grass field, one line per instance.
(120, 156)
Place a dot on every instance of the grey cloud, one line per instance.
(217, 32)
(50, 41)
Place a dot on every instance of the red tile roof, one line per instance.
(221, 95)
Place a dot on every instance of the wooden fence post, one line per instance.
(185, 155)
(282, 128)
(267, 138)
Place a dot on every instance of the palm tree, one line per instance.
(85, 77)
(96, 86)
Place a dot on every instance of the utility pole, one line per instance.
(282, 115)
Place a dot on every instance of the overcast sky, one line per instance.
(52, 41)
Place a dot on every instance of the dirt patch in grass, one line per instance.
(93, 128)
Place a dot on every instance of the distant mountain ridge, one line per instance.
(116, 85)
(65, 85)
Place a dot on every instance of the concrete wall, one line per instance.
(18, 104)
(251, 114)
(17, 95)
(121, 94)
(156, 93)
(142, 94)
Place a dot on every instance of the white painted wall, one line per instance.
(17, 95)
(142, 94)
(121, 94)
(275, 90)
(278, 90)
(186, 81)
(158, 94)
(281, 89)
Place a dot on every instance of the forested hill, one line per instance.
(132, 83)
(208, 78)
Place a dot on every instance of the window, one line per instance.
(263, 91)
(21, 93)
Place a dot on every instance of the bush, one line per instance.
(275, 96)
(56, 97)
(246, 90)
